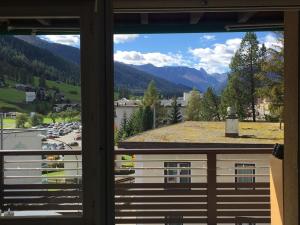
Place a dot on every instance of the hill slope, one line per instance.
(69, 53)
(21, 61)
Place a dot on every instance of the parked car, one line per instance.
(78, 137)
(74, 143)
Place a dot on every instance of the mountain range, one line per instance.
(169, 79)
(190, 77)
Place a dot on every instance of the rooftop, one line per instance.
(213, 132)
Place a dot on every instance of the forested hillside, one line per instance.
(21, 61)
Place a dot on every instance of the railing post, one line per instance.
(211, 189)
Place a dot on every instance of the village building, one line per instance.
(18, 169)
(124, 107)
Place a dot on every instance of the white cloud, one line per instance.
(122, 38)
(72, 40)
(271, 41)
(156, 58)
(209, 37)
(217, 58)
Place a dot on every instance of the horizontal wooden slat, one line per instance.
(243, 192)
(186, 145)
(42, 193)
(243, 185)
(162, 220)
(74, 219)
(243, 206)
(39, 152)
(244, 213)
(245, 199)
(42, 200)
(161, 206)
(44, 207)
(185, 151)
(160, 185)
(160, 199)
(42, 186)
(160, 213)
(243, 220)
(160, 192)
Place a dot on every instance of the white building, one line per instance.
(30, 96)
(22, 140)
(124, 107)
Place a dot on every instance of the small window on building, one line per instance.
(245, 169)
(177, 175)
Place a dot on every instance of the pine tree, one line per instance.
(42, 82)
(175, 115)
(150, 95)
(147, 118)
(244, 79)
(210, 104)
(135, 122)
(193, 106)
(273, 78)
(122, 132)
(234, 96)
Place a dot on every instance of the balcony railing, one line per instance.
(34, 180)
(196, 185)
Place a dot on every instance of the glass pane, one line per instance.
(40, 107)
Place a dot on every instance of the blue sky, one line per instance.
(211, 51)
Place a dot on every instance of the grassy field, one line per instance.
(55, 174)
(70, 91)
(213, 132)
(12, 99)
(49, 120)
(11, 123)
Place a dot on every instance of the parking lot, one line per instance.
(61, 136)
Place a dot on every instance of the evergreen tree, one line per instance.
(36, 120)
(147, 118)
(150, 95)
(42, 82)
(161, 114)
(122, 133)
(244, 79)
(273, 78)
(175, 115)
(210, 104)
(135, 122)
(2, 80)
(193, 106)
(234, 96)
